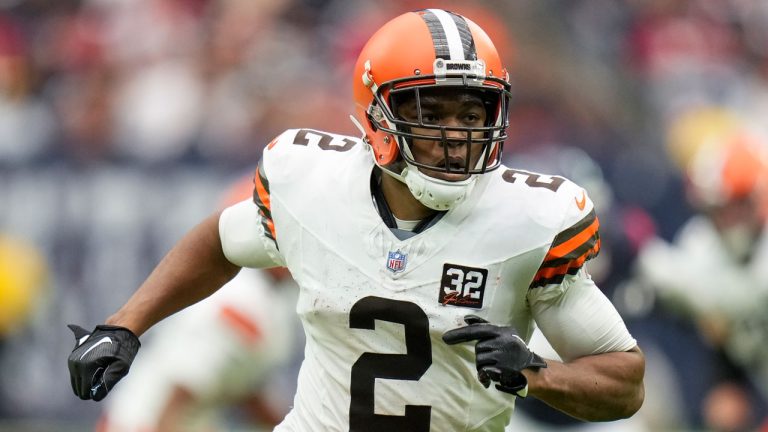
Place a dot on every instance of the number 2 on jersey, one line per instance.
(323, 140)
(534, 180)
(369, 366)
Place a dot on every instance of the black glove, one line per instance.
(100, 359)
(500, 354)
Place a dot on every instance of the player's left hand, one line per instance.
(500, 354)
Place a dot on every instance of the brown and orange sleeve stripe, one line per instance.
(570, 249)
(262, 199)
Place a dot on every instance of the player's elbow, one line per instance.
(615, 409)
(633, 403)
(634, 393)
(630, 395)
(633, 399)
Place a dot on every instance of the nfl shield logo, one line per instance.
(396, 261)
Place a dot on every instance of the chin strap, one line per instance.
(434, 193)
(386, 214)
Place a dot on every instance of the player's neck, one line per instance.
(401, 202)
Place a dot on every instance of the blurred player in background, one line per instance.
(714, 275)
(214, 361)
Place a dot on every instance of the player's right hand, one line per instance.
(100, 359)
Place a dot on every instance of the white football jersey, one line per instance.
(219, 350)
(374, 307)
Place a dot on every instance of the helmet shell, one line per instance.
(405, 49)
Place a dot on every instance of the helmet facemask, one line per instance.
(467, 150)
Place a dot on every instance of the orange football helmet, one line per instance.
(419, 52)
(729, 171)
(728, 182)
(426, 49)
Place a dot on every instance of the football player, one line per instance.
(423, 263)
(727, 180)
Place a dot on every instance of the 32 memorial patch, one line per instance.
(462, 286)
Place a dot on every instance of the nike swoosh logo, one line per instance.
(105, 339)
(582, 202)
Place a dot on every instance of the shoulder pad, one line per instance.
(565, 207)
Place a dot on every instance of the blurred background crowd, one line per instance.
(122, 122)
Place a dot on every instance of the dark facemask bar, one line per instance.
(491, 133)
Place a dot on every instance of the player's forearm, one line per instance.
(193, 269)
(600, 387)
